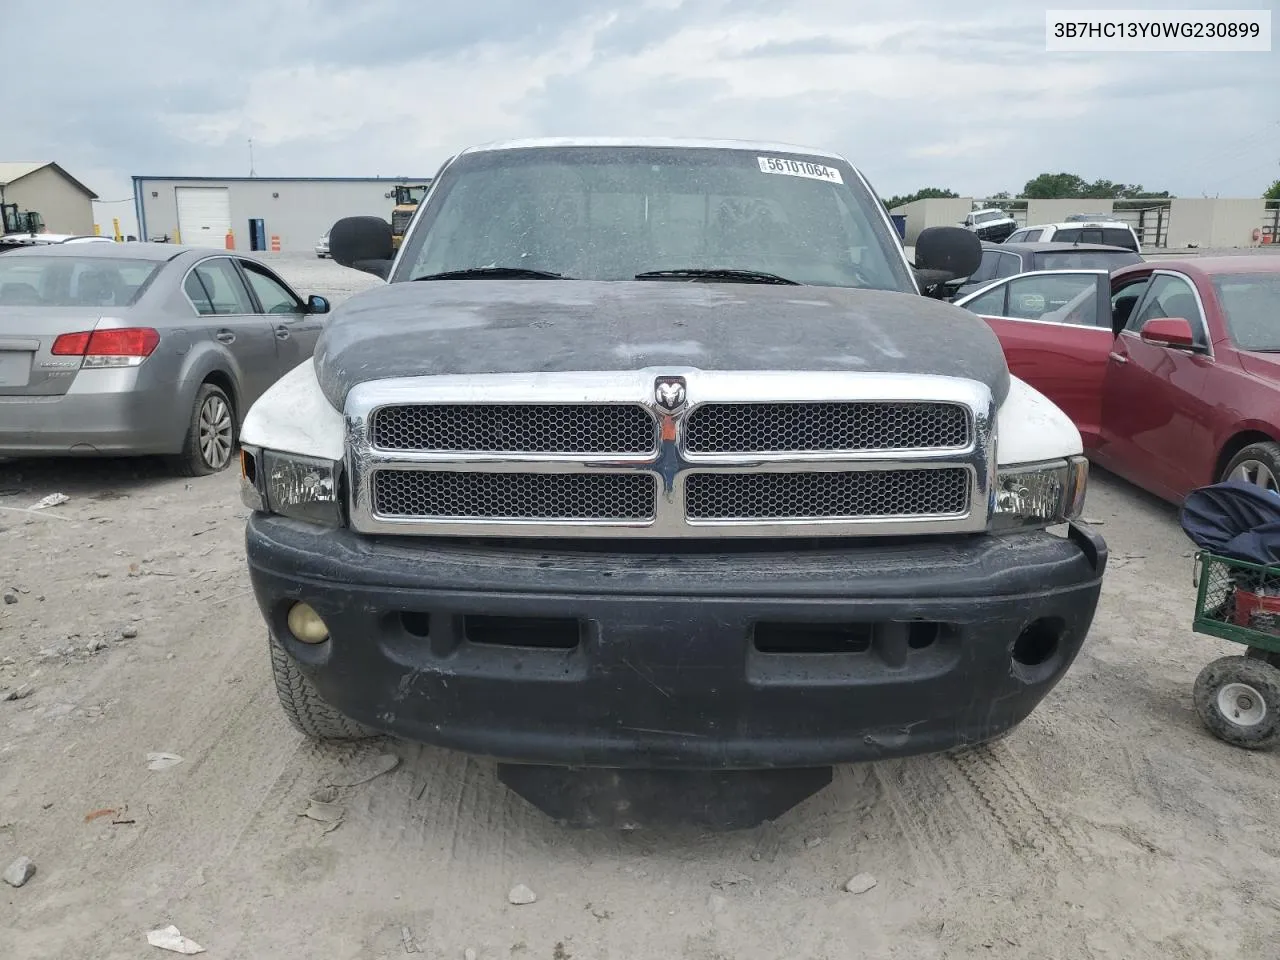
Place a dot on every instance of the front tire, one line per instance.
(1258, 463)
(302, 704)
(1238, 698)
(212, 434)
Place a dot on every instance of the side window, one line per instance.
(986, 268)
(1055, 298)
(224, 292)
(1170, 296)
(990, 303)
(1035, 236)
(271, 293)
(197, 294)
(1009, 265)
(1125, 298)
(1016, 237)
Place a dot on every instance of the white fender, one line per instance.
(294, 416)
(1030, 428)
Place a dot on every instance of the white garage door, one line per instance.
(204, 215)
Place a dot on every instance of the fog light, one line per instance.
(306, 625)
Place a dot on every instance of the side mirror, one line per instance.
(316, 304)
(362, 243)
(946, 253)
(1168, 332)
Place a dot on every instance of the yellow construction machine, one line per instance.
(407, 197)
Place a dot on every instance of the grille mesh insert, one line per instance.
(515, 428)
(441, 494)
(860, 425)
(827, 495)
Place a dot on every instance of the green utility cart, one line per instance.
(1238, 698)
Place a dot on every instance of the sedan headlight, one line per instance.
(1039, 494)
(303, 488)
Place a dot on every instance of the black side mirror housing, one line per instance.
(317, 304)
(363, 243)
(943, 254)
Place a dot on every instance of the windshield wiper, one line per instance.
(716, 273)
(494, 273)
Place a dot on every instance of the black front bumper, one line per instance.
(723, 660)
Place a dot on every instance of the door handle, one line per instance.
(1118, 357)
(282, 332)
(225, 336)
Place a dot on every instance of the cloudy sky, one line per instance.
(916, 92)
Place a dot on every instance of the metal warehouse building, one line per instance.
(44, 187)
(200, 211)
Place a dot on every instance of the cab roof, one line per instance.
(689, 143)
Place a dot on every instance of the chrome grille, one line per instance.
(430, 494)
(852, 494)
(516, 428)
(764, 427)
(596, 454)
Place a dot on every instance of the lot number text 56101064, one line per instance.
(800, 168)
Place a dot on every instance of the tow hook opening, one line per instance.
(1037, 649)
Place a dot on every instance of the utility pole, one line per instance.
(251, 173)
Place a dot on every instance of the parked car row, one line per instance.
(1010, 259)
(141, 348)
(1170, 370)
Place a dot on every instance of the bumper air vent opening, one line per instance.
(540, 633)
(773, 637)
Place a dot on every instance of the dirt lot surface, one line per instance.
(1110, 825)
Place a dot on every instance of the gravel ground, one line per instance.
(1109, 825)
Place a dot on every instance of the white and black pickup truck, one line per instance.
(653, 460)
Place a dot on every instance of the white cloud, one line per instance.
(918, 92)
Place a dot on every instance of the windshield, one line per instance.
(1086, 260)
(72, 281)
(1251, 305)
(610, 213)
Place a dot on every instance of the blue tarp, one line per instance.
(1240, 521)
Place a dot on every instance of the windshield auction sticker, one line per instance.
(799, 168)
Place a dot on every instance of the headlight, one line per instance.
(303, 488)
(1039, 494)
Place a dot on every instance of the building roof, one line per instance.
(14, 171)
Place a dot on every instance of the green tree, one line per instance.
(1069, 186)
(928, 193)
(1054, 186)
(1272, 192)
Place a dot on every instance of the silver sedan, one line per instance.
(142, 348)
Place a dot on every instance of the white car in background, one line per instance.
(42, 239)
(1111, 233)
(322, 246)
(990, 224)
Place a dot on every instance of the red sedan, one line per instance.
(1169, 368)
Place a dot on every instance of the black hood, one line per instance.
(436, 327)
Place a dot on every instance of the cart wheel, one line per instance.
(1238, 698)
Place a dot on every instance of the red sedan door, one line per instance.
(1055, 329)
(1155, 422)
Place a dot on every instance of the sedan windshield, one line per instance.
(1251, 303)
(615, 213)
(37, 281)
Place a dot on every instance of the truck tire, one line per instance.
(1238, 698)
(210, 442)
(1258, 463)
(302, 704)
